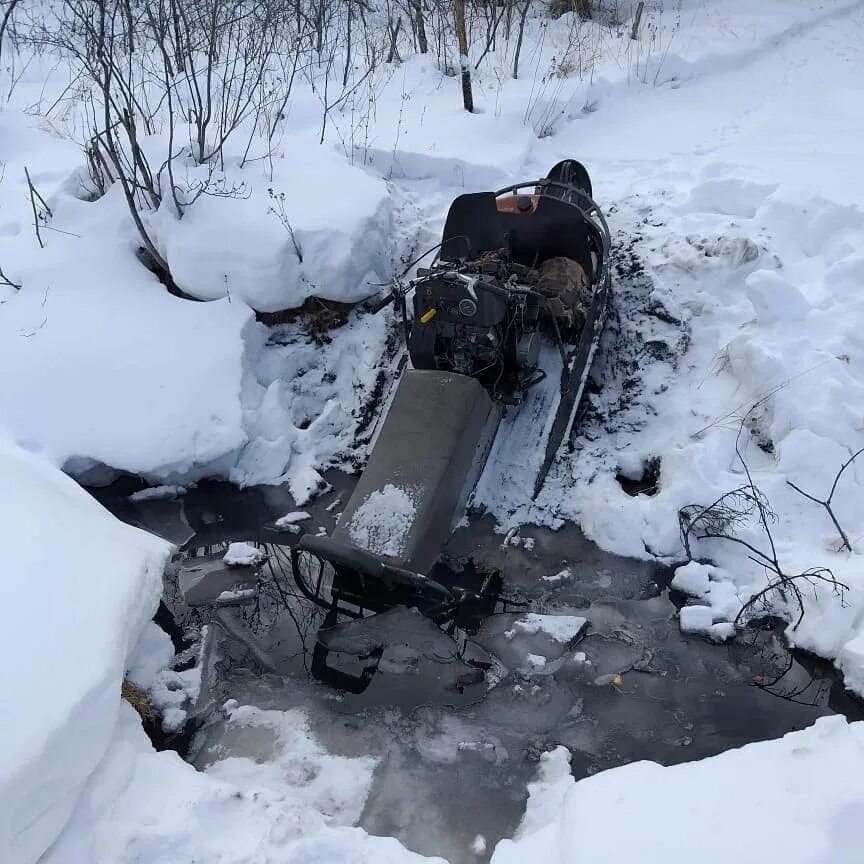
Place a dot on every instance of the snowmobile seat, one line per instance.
(555, 229)
(472, 227)
(552, 229)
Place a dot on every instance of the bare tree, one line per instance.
(8, 8)
(464, 65)
(523, 14)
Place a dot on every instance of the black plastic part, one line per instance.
(446, 292)
(569, 172)
(472, 227)
(475, 226)
(421, 345)
(365, 580)
(341, 554)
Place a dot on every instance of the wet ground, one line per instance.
(459, 723)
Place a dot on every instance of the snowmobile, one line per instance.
(520, 274)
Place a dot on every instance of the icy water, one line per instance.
(457, 746)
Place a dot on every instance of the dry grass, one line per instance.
(137, 698)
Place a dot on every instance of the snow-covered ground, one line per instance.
(725, 146)
(140, 805)
(794, 799)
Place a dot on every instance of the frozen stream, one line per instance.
(455, 751)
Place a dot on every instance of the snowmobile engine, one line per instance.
(475, 324)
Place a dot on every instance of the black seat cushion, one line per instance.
(555, 229)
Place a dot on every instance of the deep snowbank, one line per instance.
(104, 368)
(316, 226)
(148, 808)
(77, 588)
(797, 799)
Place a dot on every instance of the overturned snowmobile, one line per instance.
(516, 268)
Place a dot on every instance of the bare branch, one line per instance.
(38, 217)
(721, 520)
(827, 502)
(5, 280)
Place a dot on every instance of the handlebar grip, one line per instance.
(376, 306)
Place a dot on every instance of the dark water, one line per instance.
(455, 751)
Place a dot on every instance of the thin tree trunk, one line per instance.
(462, 39)
(523, 15)
(7, 17)
(420, 27)
(634, 33)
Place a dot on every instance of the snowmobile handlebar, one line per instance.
(376, 306)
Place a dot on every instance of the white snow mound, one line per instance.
(806, 783)
(243, 555)
(77, 589)
(144, 807)
(562, 628)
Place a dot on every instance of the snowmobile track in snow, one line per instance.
(643, 336)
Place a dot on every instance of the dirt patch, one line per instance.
(318, 317)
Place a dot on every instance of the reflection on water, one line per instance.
(458, 721)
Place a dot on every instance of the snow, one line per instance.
(334, 786)
(153, 653)
(291, 521)
(561, 628)
(696, 619)
(238, 246)
(144, 806)
(382, 521)
(92, 584)
(243, 554)
(153, 493)
(236, 595)
(693, 578)
(560, 576)
(725, 146)
(537, 661)
(292, 518)
(171, 693)
(774, 299)
(805, 785)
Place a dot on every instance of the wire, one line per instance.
(432, 249)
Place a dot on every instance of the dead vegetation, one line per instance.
(138, 699)
(726, 519)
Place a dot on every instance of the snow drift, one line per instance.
(797, 799)
(144, 807)
(78, 587)
(318, 226)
